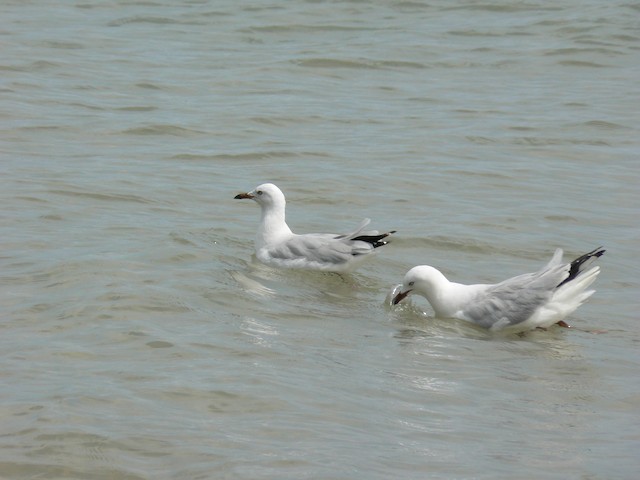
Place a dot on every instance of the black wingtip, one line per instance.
(575, 270)
(375, 240)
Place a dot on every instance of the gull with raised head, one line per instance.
(521, 303)
(278, 246)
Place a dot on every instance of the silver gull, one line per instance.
(278, 246)
(521, 303)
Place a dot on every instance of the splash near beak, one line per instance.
(240, 196)
(401, 296)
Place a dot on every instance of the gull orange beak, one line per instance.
(401, 296)
(240, 196)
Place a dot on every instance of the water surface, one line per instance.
(139, 339)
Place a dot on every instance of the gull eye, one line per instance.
(259, 192)
(411, 284)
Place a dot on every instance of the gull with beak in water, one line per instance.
(278, 246)
(525, 302)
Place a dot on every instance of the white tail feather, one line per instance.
(574, 293)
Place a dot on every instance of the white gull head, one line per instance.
(273, 227)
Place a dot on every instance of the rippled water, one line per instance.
(138, 337)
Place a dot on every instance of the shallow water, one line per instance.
(139, 339)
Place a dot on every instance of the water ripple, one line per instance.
(163, 130)
(107, 197)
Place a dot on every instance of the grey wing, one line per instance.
(516, 299)
(510, 302)
(320, 248)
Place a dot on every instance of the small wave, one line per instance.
(220, 401)
(40, 127)
(31, 67)
(246, 156)
(333, 63)
(412, 6)
(626, 38)
(162, 130)
(579, 51)
(561, 218)
(581, 63)
(159, 344)
(148, 85)
(63, 45)
(118, 197)
(42, 469)
(52, 217)
(182, 240)
(506, 7)
(158, 305)
(357, 64)
(28, 198)
(474, 246)
(474, 33)
(538, 141)
(305, 28)
(541, 141)
(604, 125)
(401, 64)
(152, 20)
(85, 106)
(447, 243)
(249, 284)
(136, 109)
(481, 140)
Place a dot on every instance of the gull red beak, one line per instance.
(240, 196)
(401, 296)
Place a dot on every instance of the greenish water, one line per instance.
(140, 340)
